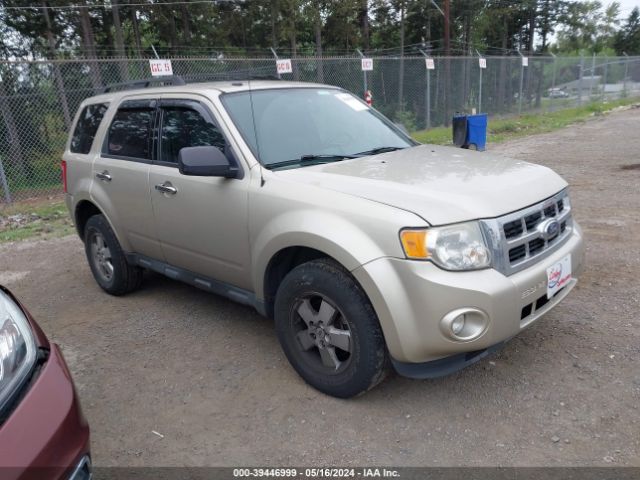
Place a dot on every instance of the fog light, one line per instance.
(458, 324)
(464, 324)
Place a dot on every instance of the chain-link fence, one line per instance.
(38, 99)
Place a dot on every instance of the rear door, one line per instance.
(121, 175)
(202, 224)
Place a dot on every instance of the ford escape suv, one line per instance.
(366, 248)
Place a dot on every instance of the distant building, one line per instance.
(587, 83)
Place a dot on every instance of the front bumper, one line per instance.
(411, 297)
(47, 435)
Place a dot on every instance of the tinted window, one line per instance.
(183, 127)
(130, 133)
(87, 126)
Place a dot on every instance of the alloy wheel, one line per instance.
(101, 256)
(322, 334)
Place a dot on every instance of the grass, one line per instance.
(502, 129)
(42, 219)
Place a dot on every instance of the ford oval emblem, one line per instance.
(549, 228)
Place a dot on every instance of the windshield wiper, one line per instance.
(378, 150)
(311, 158)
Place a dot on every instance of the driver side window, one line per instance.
(185, 127)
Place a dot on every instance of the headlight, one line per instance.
(17, 348)
(455, 247)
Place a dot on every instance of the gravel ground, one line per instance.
(209, 376)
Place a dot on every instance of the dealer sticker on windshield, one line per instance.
(351, 101)
(558, 275)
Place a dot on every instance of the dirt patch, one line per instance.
(209, 375)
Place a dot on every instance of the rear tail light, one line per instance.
(63, 166)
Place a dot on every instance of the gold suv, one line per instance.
(366, 248)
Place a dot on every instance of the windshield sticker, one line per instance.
(351, 101)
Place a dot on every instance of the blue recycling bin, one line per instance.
(470, 130)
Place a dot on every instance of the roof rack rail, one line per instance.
(144, 83)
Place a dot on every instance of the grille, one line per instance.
(517, 239)
(535, 246)
(517, 253)
(513, 229)
(532, 220)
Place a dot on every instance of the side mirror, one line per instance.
(205, 162)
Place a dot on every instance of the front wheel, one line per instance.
(329, 330)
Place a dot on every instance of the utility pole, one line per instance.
(447, 65)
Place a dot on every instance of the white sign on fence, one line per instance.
(482, 62)
(160, 68)
(525, 61)
(431, 65)
(284, 66)
(367, 64)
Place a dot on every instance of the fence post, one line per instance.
(364, 73)
(553, 79)
(275, 55)
(427, 93)
(605, 66)
(580, 81)
(521, 82)
(626, 73)
(593, 74)
(479, 85)
(5, 184)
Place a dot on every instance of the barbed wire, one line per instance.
(119, 5)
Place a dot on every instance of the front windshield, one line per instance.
(291, 124)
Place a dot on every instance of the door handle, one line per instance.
(166, 187)
(104, 176)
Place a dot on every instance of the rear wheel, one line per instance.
(107, 260)
(329, 330)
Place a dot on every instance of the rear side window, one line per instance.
(87, 126)
(130, 133)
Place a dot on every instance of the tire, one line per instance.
(329, 330)
(107, 260)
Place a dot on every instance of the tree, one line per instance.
(119, 40)
(88, 40)
(627, 40)
(586, 27)
(549, 12)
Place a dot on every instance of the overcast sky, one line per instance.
(626, 6)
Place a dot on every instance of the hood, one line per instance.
(440, 184)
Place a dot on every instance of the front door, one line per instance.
(201, 221)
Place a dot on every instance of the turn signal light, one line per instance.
(414, 243)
